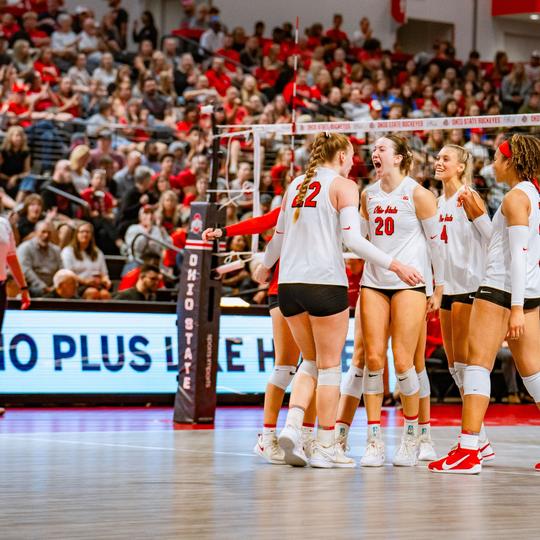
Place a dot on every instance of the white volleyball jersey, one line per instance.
(312, 247)
(463, 248)
(499, 260)
(395, 229)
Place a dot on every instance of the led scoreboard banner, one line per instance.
(96, 352)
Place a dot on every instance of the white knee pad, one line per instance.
(459, 373)
(408, 382)
(423, 381)
(308, 367)
(373, 382)
(330, 376)
(353, 382)
(282, 376)
(532, 384)
(476, 381)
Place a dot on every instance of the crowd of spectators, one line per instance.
(138, 149)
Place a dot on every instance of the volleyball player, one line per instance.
(508, 299)
(466, 232)
(285, 349)
(319, 213)
(9, 260)
(400, 217)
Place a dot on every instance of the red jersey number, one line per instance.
(444, 235)
(310, 200)
(384, 226)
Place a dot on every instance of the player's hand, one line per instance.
(516, 324)
(467, 199)
(409, 275)
(261, 274)
(434, 301)
(211, 234)
(25, 299)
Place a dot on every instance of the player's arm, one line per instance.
(254, 225)
(475, 209)
(516, 208)
(344, 196)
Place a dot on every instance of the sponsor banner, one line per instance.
(60, 352)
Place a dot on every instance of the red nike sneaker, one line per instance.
(458, 461)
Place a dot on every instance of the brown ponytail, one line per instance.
(401, 148)
(324, 149)
(465, 158)
(525, 158)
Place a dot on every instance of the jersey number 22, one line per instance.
(309, 201)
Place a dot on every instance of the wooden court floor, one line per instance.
(127, 474)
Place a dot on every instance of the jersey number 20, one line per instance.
(384, 226)
(309, 201)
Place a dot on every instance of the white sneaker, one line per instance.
(290, 441)
(426, 449)
(330, 457)
(342, 439)
(267, 447)
(486, 451)
(374, 454)
(307, 440)
(407, 453)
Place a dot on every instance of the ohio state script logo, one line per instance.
(196, 224)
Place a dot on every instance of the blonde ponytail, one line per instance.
(324, 149)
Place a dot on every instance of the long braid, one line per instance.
(316, 159)
(526, 157)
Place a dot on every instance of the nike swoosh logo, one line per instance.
(370, 375)
(292, 372)
(358, 376)
(455, 464)
(525, 249)
(472, 297)
(347, 228)
(402, 379)
(433, 237)
(279, 232)
(260, 448)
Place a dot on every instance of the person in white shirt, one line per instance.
(475, 146)
(212, 39)
(88, 262)
(532, 69)
(64, 42)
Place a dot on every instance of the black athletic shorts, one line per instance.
(503, 298)
(273, 301)
(449, 299)
(316, 300)
(390, 292)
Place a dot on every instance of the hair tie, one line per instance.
(505, 149)
(327, 134)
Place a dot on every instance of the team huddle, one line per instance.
(421, 255)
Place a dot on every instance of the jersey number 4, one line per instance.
(384, 226)
(309, 201)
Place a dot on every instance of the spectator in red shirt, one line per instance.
(45, 66)
(191, 118)
(166, 171)
(9, 26)
(304, 93)
(228, 52)
(217, 76)
(100, 201)
(67, 100)
(31, 32)
(188, 177)
(17, 107)
(129, 279)
(335, 33)
(235, 112)
(281, 170)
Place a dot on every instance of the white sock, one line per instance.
(268, 430)
(295, 417)
(425, 429)
(326, 437)
(410, 426)
(482, 436)
(469, 441)
(342, 429)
